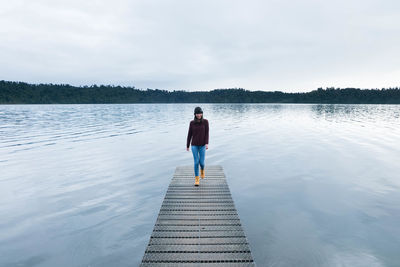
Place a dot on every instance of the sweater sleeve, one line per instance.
(189, 136)
(207, 132)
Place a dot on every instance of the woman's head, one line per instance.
(198, 113)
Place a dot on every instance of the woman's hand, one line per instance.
(206, 146)
(187, 149)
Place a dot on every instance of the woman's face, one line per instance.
(198, 116)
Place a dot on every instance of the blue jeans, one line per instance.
(199, 153)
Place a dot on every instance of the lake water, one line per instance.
(314, 185)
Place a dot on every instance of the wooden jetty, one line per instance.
(198, 225)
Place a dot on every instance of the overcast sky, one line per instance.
(202, 45)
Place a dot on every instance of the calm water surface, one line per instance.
(314, 185)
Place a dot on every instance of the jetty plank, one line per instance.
(198, 225)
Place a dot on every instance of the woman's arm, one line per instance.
(189, 136)
(207, 132)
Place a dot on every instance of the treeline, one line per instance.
(24, 93)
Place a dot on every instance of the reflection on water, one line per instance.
(314, 185)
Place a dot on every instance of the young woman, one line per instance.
(198, 133)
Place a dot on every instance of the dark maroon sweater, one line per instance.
(198, 132)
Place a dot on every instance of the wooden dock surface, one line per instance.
(198, 225)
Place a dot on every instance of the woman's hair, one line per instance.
(198, 110)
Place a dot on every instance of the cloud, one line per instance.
(202, 45)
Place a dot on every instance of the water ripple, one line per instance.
(315, 185)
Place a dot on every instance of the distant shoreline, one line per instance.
(25, 93)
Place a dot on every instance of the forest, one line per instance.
(25, 93)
